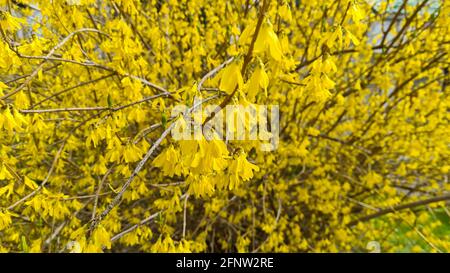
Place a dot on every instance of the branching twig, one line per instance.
(247, 59)
(51, 52)
(97, 194)
(277, 218)
(42, 185)
(213, 72)
(138, 168)
(72, 88)
(142, 222)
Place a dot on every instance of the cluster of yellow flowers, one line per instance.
(87, 162)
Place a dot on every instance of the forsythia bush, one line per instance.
(88, 163)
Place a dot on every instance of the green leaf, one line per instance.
(110, 102)
(25, 247)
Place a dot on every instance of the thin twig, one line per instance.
(213, 72)
(51, 52)
(56, 110)
(72, 88)
(97, 194)
(63, 224)
(42, 185)
(184, 215)
(400, 207)
(277, 218)
(142, 222)
(95, 108)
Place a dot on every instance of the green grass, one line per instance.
(402, 243)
